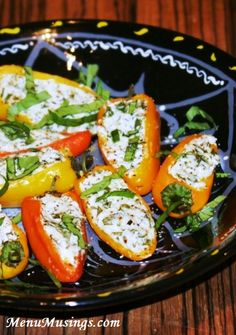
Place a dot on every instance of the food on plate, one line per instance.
(34, 173)
(186, 176)
(117, 214)
(16, 137)
(14, 251)
(41, 99)
(55, 228)
(129, 136)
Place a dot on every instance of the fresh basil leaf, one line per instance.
(14, 130)
(195, 111)
(26, 164)
(119, 193)
(223, 174)
(17, 218)
(181, 229)
(162, 218)
(67, 221)
(101, 92)
(197, 125)
(12, 253)
(92, 70)
(2, 220)
(101, 185)
(176, 192)
(77, 109)
(131, 107)
(180, 131)
(29, 80)
(68, 122)
(30, 100)
(5, 186)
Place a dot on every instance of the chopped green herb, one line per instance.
(131, 149)
(1, 220)
(101, 185)
(161, 219)
(115, 135)
(16, 219)
(92, 70)
(14, 130)
(223, 174)
(65, 110)
(29, 101)
(29, 80)
(191, 114)
(19, 167)
(73, 122)
(68, 222)
(131, 107)
(55, 281)
(5, 186)
(12, 253)
(176, 192)
(119, 193)
(101, 92)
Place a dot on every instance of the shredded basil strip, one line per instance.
(1, 220)
(119, 193)
(5, 186)
(115, 135)
(131, 107)
(161, 219)
(223, 174)
(12, 253)
(29, 80)
(30, 100)
(101, 92)
(131, 149)
(14, 130)
(65, 110)
(17, 218)
(104, 183)
(193, 113)
(72, 122)
(165, 153)
(67, 221)
(204, 214)
(26, 165)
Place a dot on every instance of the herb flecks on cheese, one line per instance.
(119, 212)
(61, 217)
(13, 90)
(123, 128)
(197, 162)
(30, 162)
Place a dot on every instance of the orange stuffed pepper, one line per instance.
(186, 176)
(129, 136)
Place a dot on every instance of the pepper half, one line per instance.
(140, 176)
(57, 176)
(73, 144)
(182, 191)
(14, 252)
(44, 246)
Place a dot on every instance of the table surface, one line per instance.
(210, 306)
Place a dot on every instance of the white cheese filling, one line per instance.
(65, 242)
(197, 162)
(47, 156)
(126, 220)
(42, 137)
(6, 230)
(115, 119)
(12, 90)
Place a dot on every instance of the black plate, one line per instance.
(178, 71)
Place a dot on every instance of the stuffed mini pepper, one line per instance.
(128, 135)
(14, 253)
(119, 216)
(185, 179)
(55, 228)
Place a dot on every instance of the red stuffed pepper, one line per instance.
(55, 228)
